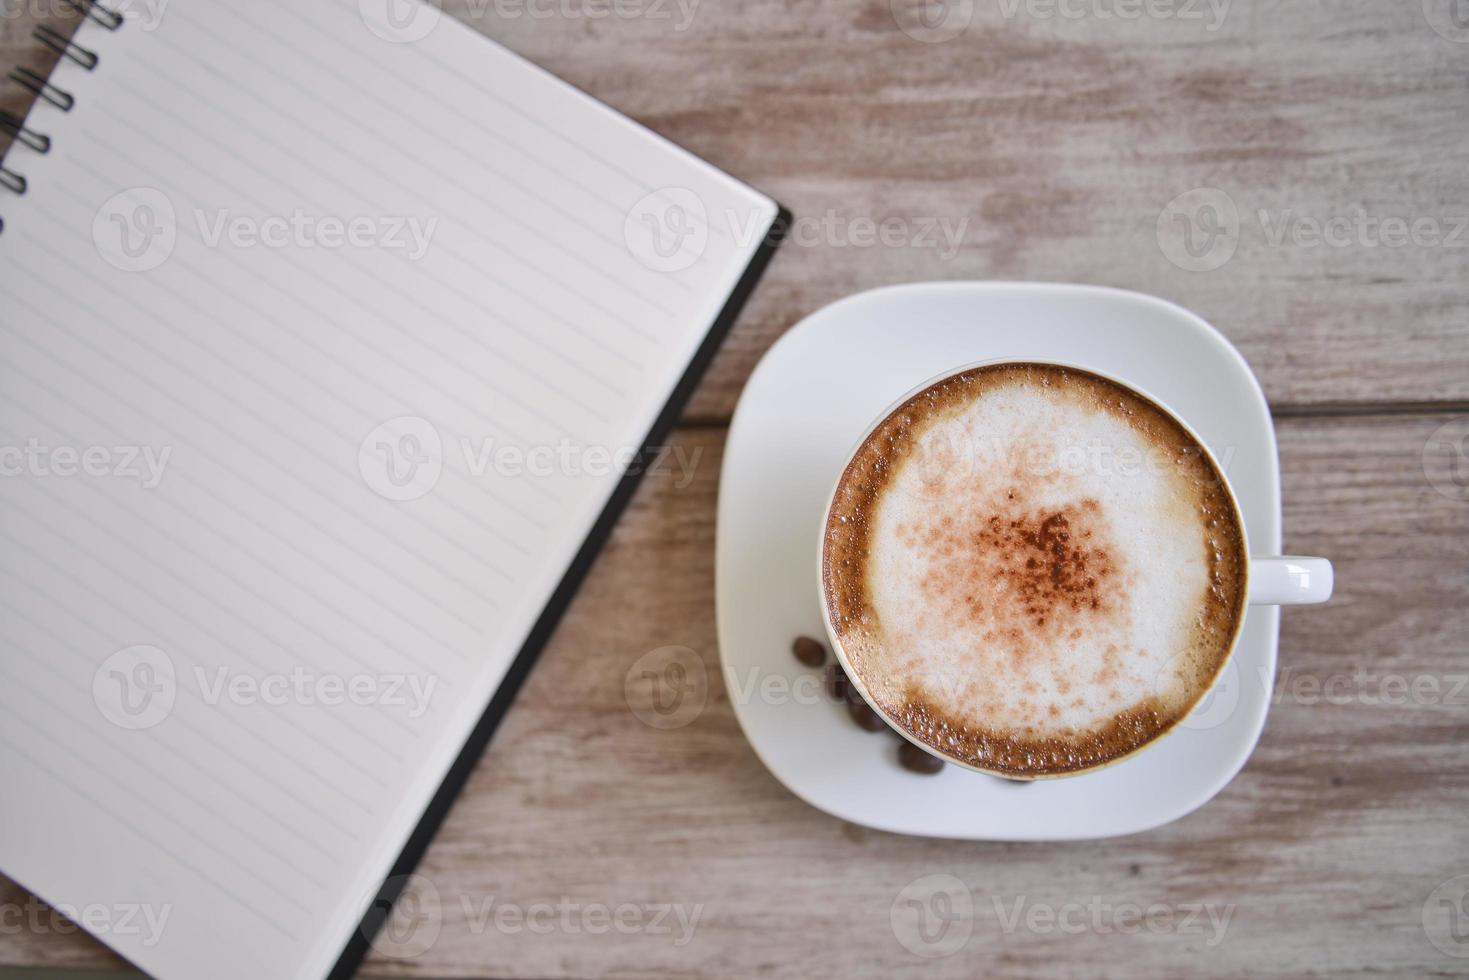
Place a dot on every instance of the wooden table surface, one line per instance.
(1330, 138)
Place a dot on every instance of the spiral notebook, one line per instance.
(333, 338)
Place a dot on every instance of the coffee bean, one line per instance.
(862, 713)
(837, 684)
(915, 759)
(810, 652)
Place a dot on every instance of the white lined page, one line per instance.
(264, 537)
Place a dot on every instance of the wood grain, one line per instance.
(1054, 144)
(1060, 141)
(1057, 142)
(1325, 847)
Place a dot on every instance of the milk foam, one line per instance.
(1039, 563)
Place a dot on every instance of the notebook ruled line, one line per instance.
(287, 866)
(294, 655)
(257, 733)
(350, 297)
(390, 285)
(406, 584)
(291, 863)
(168, 853)
(229, 752)
(140, 412)
(401, 81)
(315, 491)
(405, 620)
(402, 618)
(642, 186)
(508, 251)
(236, 297)
(610, 277)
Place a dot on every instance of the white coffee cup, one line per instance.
(1271, 580)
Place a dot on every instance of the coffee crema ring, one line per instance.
(1033, 570)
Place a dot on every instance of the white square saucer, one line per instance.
(808, 402)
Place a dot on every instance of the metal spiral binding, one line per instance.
(65, 47)
(109, 19)
(12, 181)
(43, 89)
(39, 142)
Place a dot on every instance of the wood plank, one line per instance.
(1061, 142)
(1325, 847)
(1052, 145)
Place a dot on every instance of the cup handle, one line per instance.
(1290, 581)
